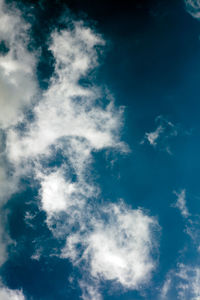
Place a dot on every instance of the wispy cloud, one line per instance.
(181, 203)
(90, 291)
(166, 287)
(17, 89)
(193, 8)
(184, 281)
(119, 245)
(152, 137)
(161, 136)
(17, 67)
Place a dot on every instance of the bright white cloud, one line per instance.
(68, 112)
(8, 294)
(193, 8)
(56, 193)
(118, 247)
(181, 203)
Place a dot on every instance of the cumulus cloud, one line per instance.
(193, 8)
(118, 247)
(181, 203)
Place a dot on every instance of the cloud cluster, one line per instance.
(17, 89)
(70, 121)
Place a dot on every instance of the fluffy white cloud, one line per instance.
(69, 112)
(181, 203)
(193, 8)
(8, 294)
(56, 193)
(118, 247)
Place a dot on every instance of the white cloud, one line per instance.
(118, 247)
(193, 8)
(181, 203)
(8, 294)
(153, 136)
(183, 283)
(189, 285)
(166, 287)
(17, 67)
(17, 90)
(69, 112)
(161, 136)
(90, 292)
(56, 193)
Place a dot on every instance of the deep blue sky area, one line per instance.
(150, 65)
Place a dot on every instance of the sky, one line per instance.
(99, 150)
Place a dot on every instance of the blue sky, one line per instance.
(99, 150)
